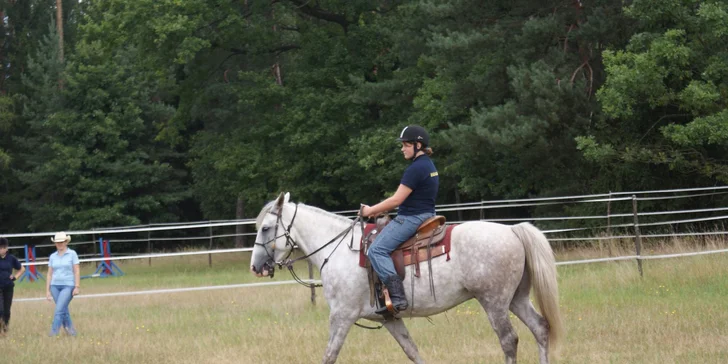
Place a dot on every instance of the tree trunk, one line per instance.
(457, 201)
(3, 76)
(59, 26)
(276, 68)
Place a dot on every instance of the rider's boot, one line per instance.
(396, 294)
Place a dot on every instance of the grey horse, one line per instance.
(493, 263)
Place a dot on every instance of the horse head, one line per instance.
(273, 243)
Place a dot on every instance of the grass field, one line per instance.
(676, 313)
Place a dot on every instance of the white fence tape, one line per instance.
(173, 290)
(248, 285)
(158, 255)
(135, 230)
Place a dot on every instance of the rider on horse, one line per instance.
(415, 197)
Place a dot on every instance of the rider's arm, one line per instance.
(391, 202)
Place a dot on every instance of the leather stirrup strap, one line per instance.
(415, 256)
(412, 280)
(429, 265)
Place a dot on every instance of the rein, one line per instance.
(289, 263)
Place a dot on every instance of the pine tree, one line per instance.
(90, 153)
(664, 99)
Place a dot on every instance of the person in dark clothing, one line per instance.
(8, 263)
(415, 198)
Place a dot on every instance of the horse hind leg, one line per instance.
(498, 317)
(400, 333)
(523, 309)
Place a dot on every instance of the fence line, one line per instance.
(173, 290)
(50, 245)
(712, 218)
(238, 250)
(134, 230)
(490, 204)
(247, 285)
(678, 197)
(604, 197)
(595, 217)
(158, 255)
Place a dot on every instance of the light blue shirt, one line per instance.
(63, 268)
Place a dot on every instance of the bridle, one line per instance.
(290, 242)
(286, 232)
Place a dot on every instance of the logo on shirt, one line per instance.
(433, 174)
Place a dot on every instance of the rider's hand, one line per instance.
(366, 211)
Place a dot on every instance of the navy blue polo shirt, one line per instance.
(421, 176)
(7, 265)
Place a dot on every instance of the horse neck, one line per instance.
(312, 229)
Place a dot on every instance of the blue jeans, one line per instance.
(62, 295)
(393, 235)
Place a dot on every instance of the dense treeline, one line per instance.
(164, 110)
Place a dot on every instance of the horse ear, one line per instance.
(283, 199)
(279, 200)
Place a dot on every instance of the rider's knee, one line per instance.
(376, 250)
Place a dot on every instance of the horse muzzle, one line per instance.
(266, 270)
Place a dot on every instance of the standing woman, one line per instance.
(7, 283)
(64, 281)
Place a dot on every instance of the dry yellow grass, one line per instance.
(676, 313)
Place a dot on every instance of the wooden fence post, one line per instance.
(93, 239)
(209, 256)
(149, 243)
(637, 238)
(610, 242)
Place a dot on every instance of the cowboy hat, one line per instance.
(61, 237)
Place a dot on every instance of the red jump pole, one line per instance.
(107, 254)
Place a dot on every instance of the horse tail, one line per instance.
(541, 265)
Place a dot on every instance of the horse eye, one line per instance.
(265, 228)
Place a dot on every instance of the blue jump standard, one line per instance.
(107, 268)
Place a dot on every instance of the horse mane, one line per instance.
(325, 213)
(269, 207)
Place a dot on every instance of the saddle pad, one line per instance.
(362, 257)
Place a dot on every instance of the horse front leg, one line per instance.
(339, 326)
(400, 333)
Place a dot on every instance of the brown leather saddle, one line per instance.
(432, 239)
(428, 242)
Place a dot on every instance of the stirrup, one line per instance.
(388, 308)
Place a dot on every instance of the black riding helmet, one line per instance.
(413, 134)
